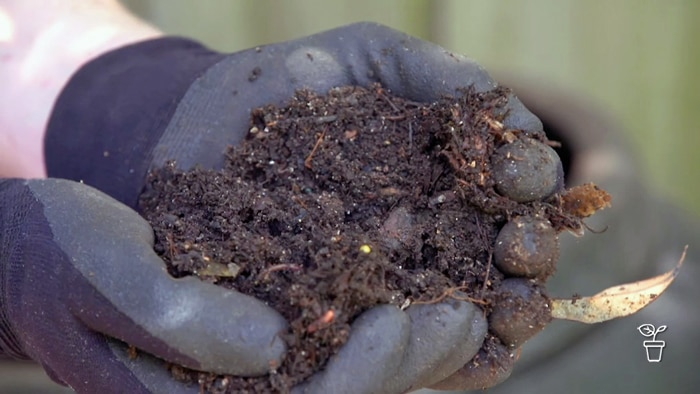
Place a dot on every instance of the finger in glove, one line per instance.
(124, 290)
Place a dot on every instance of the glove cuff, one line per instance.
(114, 110)
(9, 343)
(11, 216)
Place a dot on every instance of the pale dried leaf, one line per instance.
(219, 270)
(617, 301)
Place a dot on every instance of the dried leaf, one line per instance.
(219, 270)
(585, 200)
(618, 301)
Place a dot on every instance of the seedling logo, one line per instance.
(654, 348)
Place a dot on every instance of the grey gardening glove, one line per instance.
(78, 267)
(170, 99)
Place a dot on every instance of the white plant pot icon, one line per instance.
(655, 350)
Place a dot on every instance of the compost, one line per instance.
(336, 203)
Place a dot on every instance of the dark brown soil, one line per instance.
(399, 191)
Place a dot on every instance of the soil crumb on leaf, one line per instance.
(336, 203)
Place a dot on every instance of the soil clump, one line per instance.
(336, 203)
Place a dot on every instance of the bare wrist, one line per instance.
(42, 43)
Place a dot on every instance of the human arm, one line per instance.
(47, 304)
(42, 43)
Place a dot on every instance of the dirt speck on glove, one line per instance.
(337, 203)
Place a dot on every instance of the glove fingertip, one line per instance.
(377, 344)
(492, 365)
(444, 337)
(520, 118)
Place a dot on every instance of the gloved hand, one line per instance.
(192, 118)
(77, 267)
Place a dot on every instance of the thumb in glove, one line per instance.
(78, 268)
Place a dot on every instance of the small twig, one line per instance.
(488, 263)
(449, 292)
(307, 162)
(265, 275)
(171, 246)
(299, 201)
(322, 322)
(486, 276)
(493, 123)
(381, 94)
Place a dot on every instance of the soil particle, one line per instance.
(337, 203)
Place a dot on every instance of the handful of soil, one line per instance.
(337, 203)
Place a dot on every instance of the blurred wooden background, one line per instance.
(636, 59)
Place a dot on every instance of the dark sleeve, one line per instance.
(113, 111)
